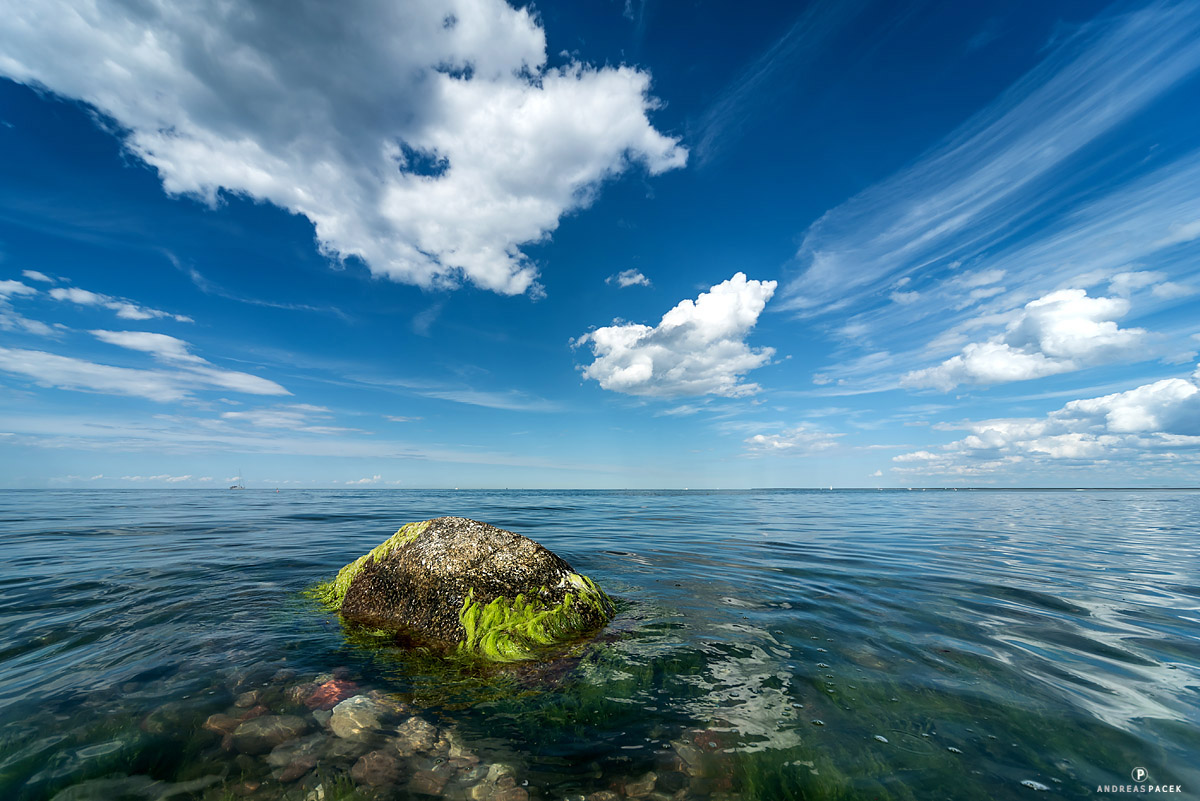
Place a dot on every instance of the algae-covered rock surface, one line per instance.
(456, 583)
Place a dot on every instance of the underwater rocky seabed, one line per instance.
(767, 645)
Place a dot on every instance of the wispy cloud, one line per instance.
(291, 417)
(775, 69)
(995, 174)
(180, 435)
(187, 372)
(125, 309)
(34, 275)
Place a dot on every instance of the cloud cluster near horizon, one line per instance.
(698, 348)
(1159, 421)
(1057, 333)
(431, 142)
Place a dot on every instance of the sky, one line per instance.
(599, 244)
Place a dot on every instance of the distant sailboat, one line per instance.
(238, 480)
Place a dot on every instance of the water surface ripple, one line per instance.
(806, 644)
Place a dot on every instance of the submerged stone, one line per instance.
(455, 583)
(261, 734)
(356, 718)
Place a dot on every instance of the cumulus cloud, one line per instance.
(796, 441)
(1156, 420)
(432, 141)
(698, 348)
(627, 278)
(1057, 333)
(34, 275)
(125, 309)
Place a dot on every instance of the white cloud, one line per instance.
(797, 441)
(125, 309)
(34, 275)
(161, 346)
(1155, 421)
(164, 478)
(65, 372)
(697, 348)
(291, 417)
(876, 474)
(964, 199)
(10, 288)
(375, 479)
(432, 141)
(10, 320)
(627, 278)
(1128, 282)
(1060, 332)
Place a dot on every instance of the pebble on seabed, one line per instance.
(881, 738)
(1032, 785)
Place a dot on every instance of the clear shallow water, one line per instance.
(769, 645)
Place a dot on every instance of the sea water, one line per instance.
(769, 645)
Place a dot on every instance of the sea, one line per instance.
(768, 644)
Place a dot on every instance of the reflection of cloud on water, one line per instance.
(746, 689)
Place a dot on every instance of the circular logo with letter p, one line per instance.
(1139, 775)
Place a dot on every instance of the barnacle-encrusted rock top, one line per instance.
(457, 583)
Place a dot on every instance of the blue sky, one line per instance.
(599, 244)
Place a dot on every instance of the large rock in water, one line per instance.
(455, 583)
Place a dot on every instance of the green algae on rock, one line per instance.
(459, 584)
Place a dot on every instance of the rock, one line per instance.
(604, 795)
(297, 769)
(171, 717)
(511, 794)
(259, 735)
(428, 782)
(378, 768)
(330, 694)
(481, 792)
(248, 787)
(414, 736)
(642, 787)
(454, 583)
(355, 718)
(248, 699)
(322, 717)
(671, 781)
(254, 712)
(298, 693)
(222, 723)
(285, 754)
